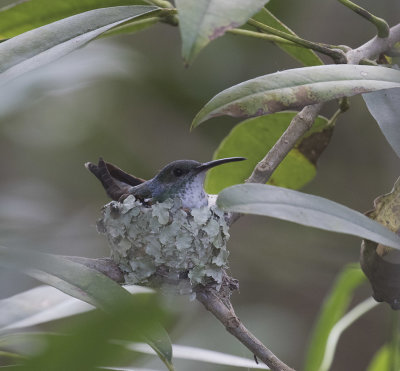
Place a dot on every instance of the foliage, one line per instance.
(41, 32)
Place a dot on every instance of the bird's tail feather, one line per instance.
(112, 188)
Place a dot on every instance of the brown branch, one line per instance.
(222, 309)
(374, 47)
(300, 124)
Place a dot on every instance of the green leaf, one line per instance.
(384, 106)
(202, 21)
(38, 47)
(335, 305)
(72, 278)
(160, 342)
(381, 360)
(297, 88)
(255, 137)
(304, 209)
(305, 56)
(36, 13)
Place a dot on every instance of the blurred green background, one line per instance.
(131, 100)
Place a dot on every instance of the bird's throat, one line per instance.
(192, 194)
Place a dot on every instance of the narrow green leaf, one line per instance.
(202, 21)
(335, 305)
(72, 278)
(252, 139)
(38, 47)
(384, 106)
(339, 328)
(305, 56)
(32, 14)
(297, 88)
(304, 209)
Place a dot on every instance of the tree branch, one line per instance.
(299, 125)
(223, 311)
(374, 47)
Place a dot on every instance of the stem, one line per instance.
(343, 107)
(380, 24)
(336, 54)
(332, 120)
(222, 309)
(259, 35)
(169, 16)
(167, 363)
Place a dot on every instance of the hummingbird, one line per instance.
(183, 179)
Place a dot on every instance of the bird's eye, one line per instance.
(178, 172)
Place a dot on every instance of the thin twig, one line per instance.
(224, 312)
(300, 124)
(336, 54)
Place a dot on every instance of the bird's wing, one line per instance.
(122, 176)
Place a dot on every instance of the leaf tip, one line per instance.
(198, 119)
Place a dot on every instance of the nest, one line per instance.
(165, 245)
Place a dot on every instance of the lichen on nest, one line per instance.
(163, 243)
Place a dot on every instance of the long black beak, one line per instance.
(210, 164)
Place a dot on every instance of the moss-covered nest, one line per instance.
(163, 243)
